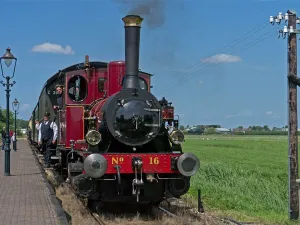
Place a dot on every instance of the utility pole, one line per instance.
(293, 82)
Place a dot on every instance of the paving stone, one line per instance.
(24, 197)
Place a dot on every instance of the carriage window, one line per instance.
(101, 82)
(77, 88)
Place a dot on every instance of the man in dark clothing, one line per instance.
(3, 135)
(47, 137)
(59, 99)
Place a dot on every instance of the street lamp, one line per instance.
(8, 58)
(15, 106)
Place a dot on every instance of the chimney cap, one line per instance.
(132, 21)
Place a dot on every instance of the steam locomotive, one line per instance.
(116, 141)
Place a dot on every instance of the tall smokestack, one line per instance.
(132, 50)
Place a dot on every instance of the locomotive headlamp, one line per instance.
(176, 137)
(95, 165)
(188, 164)
(93, 137)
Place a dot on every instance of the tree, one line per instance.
(181, 127)
(3, 118)
(257, 128)
(201, 127)
(214, 126)
(210, 130)
(20, 123)
(266, 128)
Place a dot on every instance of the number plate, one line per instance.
(152, 163)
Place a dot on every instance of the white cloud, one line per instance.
(53, 48)
(222, 58)
(24, 107)
(272, 114)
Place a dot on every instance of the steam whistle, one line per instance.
(87, 62)
(87, 66)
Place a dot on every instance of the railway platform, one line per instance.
(26, 197)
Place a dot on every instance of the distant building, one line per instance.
(23, 131)
(285, 129)
(222, 130)
(195, 130)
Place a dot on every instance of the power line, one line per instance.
(232, 44)
(235, 42)
(245, 47)
(206, 66)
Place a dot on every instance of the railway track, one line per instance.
(58, 181)
(94, 215)
(155, 211)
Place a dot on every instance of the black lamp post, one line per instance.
(15, 106)
(8, 58)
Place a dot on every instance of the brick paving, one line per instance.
(25, 196)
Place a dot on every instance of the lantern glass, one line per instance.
(16, 105)
(8, 62)
(8, 57)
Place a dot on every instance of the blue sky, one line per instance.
(247, 88)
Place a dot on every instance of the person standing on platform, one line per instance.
(13, 138)
(47, 137)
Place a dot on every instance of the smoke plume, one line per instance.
(151, 10)
(160, 35)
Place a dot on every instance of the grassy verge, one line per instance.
(246, 177)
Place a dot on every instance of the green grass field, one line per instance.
(245, 177)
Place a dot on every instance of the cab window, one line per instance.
(77, 88)
(101, 82)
